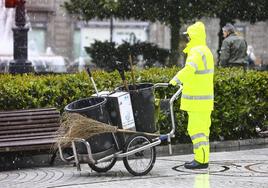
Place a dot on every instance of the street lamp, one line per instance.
(20, 64)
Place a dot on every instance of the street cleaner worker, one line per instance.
(197, 94)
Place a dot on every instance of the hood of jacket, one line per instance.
(197, 34)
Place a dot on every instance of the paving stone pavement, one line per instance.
(235, 169)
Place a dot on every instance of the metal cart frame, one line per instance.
(115, 153)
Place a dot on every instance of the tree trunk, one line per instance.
(111, 28)
(174, 42)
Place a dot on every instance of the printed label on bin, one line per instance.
(126, 112)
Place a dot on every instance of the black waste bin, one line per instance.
(143, 106)
(93, 107)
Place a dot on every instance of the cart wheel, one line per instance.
(142, 162)
(103, 166)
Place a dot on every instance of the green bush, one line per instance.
(241, 103)
(240, 98)
(104, 54)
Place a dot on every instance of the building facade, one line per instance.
(51, 27)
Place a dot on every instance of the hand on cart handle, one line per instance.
(168, 85)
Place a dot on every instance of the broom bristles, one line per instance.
(74, 125)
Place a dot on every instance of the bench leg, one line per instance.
(52, 160)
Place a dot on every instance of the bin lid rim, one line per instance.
(66, 108)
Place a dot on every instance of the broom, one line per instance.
(79, 126)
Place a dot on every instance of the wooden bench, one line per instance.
(33, 130)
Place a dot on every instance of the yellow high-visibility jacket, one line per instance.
(197, 75)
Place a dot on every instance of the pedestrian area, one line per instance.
(234, 169)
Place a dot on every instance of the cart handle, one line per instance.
(171, 101)
(173, 98)
(161, 85)
(171, 134)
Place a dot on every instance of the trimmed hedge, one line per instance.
(241, 99)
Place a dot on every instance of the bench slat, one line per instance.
(28, 110)
(28, 142)
(33, 121)
(27, 138)
(29, 126)
(29, 130)
(28, 118)
(29, 114)
(29, 134)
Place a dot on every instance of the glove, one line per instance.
(173, 82)
(170, 87)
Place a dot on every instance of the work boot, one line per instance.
(195, 165)
(188, 162)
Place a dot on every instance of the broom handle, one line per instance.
(135, 132)
(132, 71)
(92, 80)
(120, 69)
(122, 74)
(126, 86)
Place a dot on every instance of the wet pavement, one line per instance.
(234, 169)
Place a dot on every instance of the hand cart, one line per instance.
(138, 153)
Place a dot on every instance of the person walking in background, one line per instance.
(197, 94)
(234, 48)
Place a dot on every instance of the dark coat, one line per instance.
(233, 51)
